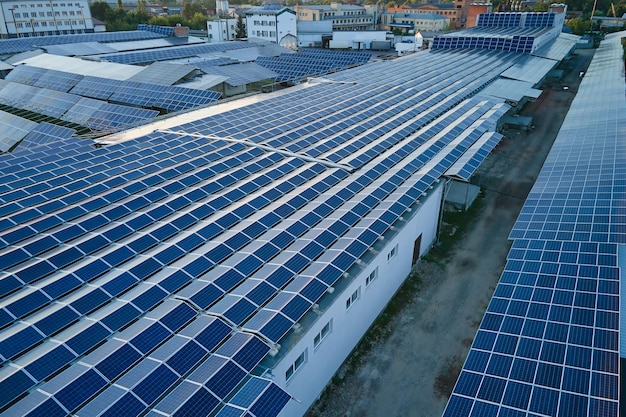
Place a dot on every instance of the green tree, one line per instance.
(186, 11)
(541, 7)
(119, 4)
(198, 21)
(100, 10)
(141, 6)
(579, 26)
(240, 31)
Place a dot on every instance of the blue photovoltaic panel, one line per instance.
(172, 52)
(46, 133)
(549, 342)
(25, 74)
(12, 46)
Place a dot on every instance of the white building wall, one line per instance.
(286, 25)
(349, 325)
(221, 30)
(271, 27)
(29, 18)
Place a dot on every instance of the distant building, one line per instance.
(221, 30)
(414, 21)
(456, 12)
(343, 16)
(28, 18)
(474, 10)
(271, 23)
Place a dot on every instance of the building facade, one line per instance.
(343, 16)
(221, 30)
(414, 21)
(456, 12)
(312, 357)
(271, 23)
(30, 18)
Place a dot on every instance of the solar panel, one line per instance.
(163, 73)
(46, 133)
(548, 343)
(14, 129)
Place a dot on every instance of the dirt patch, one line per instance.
(408, 363)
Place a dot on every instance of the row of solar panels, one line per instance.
(522, 44)
(73, 86)
(295, 67)
(174, 52)
(515, 19)
(549, 341)
(13, 46)
(16, 129)
(252, 236)
(94, 114)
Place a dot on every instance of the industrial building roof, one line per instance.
(156, 274)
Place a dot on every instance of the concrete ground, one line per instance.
(413, 371)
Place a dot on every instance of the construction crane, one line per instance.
(613, 9)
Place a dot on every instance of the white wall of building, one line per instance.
(357, 39)
(221, 30)
(271, 26)
(43, 18)
(348, 325)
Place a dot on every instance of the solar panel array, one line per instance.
(538, 19)
(13, 129)
(172, 52)
(239, 74)
(46, 133)
(469, 162)
(522, 44)
(94, 114)
(52, 103)
(156, 274)
(161, 30)
(13, 46)
(164, 73)
(499, 19)
(311, 62)
(549, 342)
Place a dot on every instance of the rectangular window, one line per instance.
(322, 334)
(49, 14)
(17, 15)
(33, 14)
(393, 252)
(42, 14)
(371, 277)
(44, 23)
(295, 366)
(352, 299)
